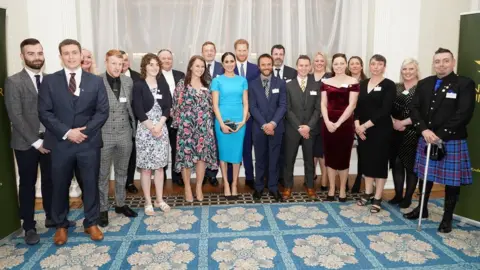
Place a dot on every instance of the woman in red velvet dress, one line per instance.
(339, 98)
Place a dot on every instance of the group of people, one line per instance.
(215, 114)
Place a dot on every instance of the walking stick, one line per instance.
(422, 200)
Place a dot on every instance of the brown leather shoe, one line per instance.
(95, 233)
(287, 193)
(311, 193)
(60, 237)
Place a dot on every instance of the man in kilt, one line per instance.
(441, 110)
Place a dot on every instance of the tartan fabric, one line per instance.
(453, 170)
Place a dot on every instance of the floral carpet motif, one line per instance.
(311, 235)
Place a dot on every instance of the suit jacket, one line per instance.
(135, 76)
(217, 70)
(252, 71)
(162, 84)
(126, 91)
(60, 111)
(264, 110)
(21, 103)
(447, 116)
(303, 108)
(289, 73)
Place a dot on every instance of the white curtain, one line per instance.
(302, 26)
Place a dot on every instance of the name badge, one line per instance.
(405, 92)
(344, 85)
(123, 99)
(313, 93)
(323, 80)
(377, 88)
(287, 81)
(452, 95)
(158, 96)
(275, 91)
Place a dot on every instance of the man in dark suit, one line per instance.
(303, 113)
(132, 165)
(73, 106)
(250, 72)
(21, 94)
(170, 78)
(214, 69)
(267, 102)
(287, 74)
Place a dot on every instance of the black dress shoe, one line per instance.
(396, 200)
(405, 203)
(103, 219)
(132, 189)
(415, 214)
(31, 237)
(323, 188)
(50, 224)
(257, 196)
(250, 184)
(277, 196)
(205, 179)
(445, 226)
(126, 211)
(213, 181)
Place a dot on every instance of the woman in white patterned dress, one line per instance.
(151, 106)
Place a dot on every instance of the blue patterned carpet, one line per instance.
(268, 236)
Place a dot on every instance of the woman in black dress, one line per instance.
(374, 127)
(405, 138)
(320, 74)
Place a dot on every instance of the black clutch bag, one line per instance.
(231, 124)
(437, 152)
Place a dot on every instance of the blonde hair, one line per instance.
(409, 61)
(93, 67)
(324, 55)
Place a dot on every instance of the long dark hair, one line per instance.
(205, 78)
(362, 73)
(338, 55)
(227, 54)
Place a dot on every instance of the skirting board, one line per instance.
(467, 220)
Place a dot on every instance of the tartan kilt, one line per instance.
(453, 170)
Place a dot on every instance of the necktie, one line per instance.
(303, 85)
(265, 87)
(37, 80)
(242, 72)
(437, 84)
(72, 85)
(116, 87)
(209, 66)
(278, 72)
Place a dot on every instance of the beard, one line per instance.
(36, 64)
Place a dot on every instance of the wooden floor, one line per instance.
(172, 189)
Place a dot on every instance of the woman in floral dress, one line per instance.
(151, 106)
(193, 116)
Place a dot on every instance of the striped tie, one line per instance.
(303, 85)
(72, 85)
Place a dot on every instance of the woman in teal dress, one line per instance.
(230, 102)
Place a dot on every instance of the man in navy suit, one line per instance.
(213, 69)
(73, 107)
(250, 72)
(267, 101)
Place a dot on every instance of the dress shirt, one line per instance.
(127, 73)
(78, 79)
(212, 66)
(299, 79)
(32, 74)
(280, 71)
(239, 66)
(170, 80)
(269, 84)
(115, 85)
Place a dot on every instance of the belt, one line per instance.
(41, 135)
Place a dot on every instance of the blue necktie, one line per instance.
(437, 84)
(37, 80)
(242, 72)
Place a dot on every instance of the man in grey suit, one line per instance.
(117, 136)
(303, 113)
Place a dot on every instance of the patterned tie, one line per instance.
(437, 84)
(265, 87)
(37, 80)
(303, 85)
(242, 72)
(278, 72)
(208, 67)
(72, 85)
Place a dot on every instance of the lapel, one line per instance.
(273, 85)
(298, 91)
(446, 86)
(28, 83)
(110, 94)
(63, 87)
(261, 91)
(83, 85)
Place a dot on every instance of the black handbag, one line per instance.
(231, 124)
(437, 152)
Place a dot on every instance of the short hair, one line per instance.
(443, 50)
(379, 58)
(28, 41)
(145, 62)
(115, 53)
(409, 61)
(67, 42)
(304, 57)
(241, 41)
(209, 43)
(279, 47)
(164, 50)
(227, 54)
(122, 52)
(265, 55)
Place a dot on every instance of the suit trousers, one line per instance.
(27, 162)
(85, 161)
(295, 140)
(132, 163)
(267, 150)
(172, 135)
(116, 147)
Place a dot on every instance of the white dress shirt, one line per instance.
(281, 71)
(239, 66)
(78, 79)
(170, 80)
(127, 73)
(32, 74)
(212, 66)
(299, 79)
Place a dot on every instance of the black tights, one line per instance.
(399, 172)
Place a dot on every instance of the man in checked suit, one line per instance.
(117, 136)
(73, 107)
